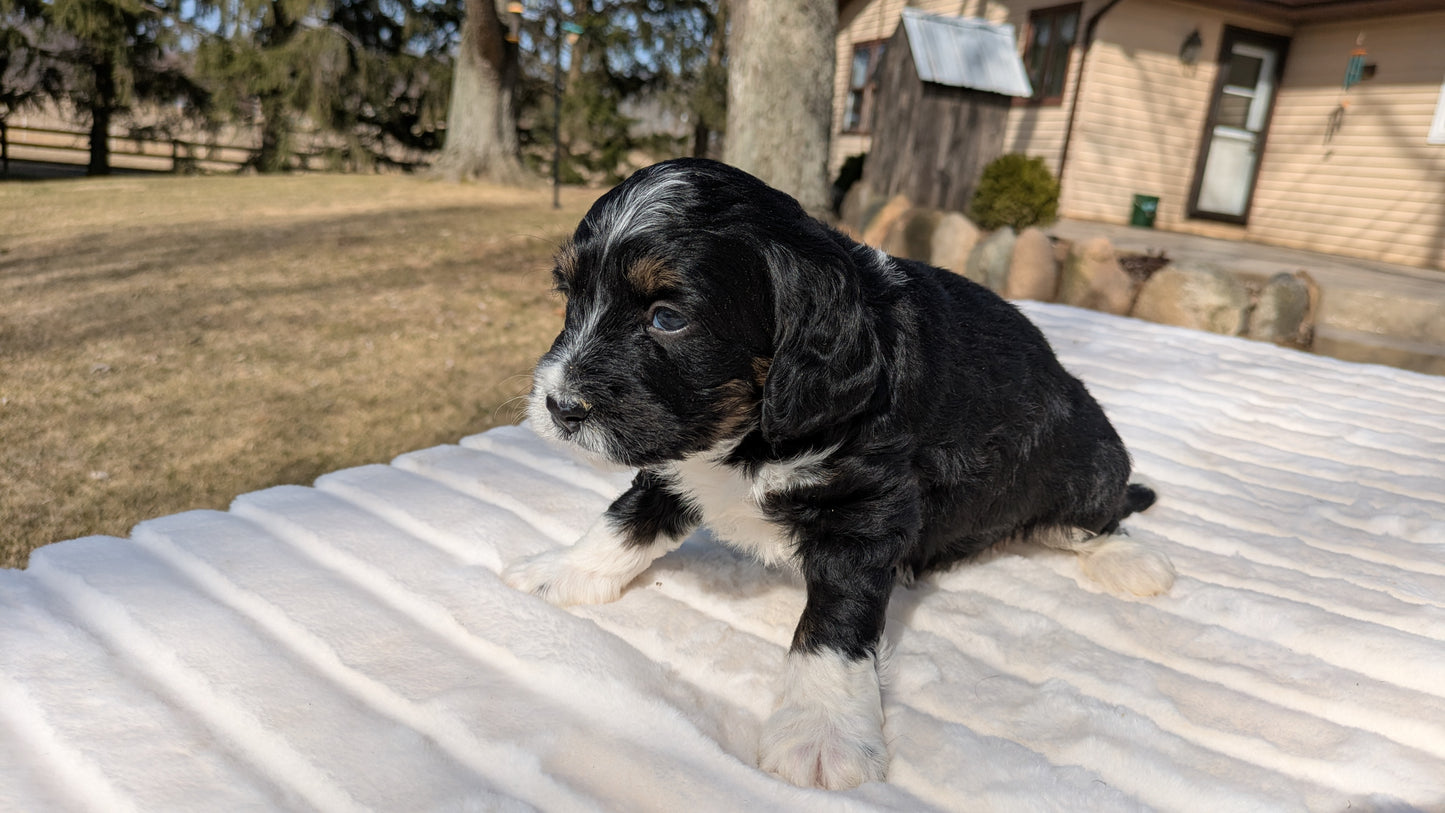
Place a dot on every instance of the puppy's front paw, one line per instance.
(556, 577)
(813, 746)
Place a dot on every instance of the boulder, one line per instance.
(1201, 297)
(953, 241)
(1284, 313)
(882, 222)
(1092, 279)
(988, 263)
(1033, 272)
(1063, 247)
(912, 234)
(859, 206)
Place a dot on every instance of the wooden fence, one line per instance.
(72, 147)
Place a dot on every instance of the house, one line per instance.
(1316, 124)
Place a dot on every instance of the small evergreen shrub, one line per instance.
(1015, 190)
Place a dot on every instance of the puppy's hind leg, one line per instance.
(1115, 562)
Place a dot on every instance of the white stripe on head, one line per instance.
(645, 205)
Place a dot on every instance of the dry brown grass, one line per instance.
(170, 343)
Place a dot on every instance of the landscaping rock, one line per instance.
(1063, 247)
(912, 234)
(1033, 272)
(953, 241)
(882, 222)
(1203, 298)
(1092, 279)
(988, 264)
(859, 207)
(1284, 313)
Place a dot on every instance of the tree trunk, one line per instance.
(701, 137)
(481, 138)
(276, 141)
(780, 94)
(102, 105)
(275, 135)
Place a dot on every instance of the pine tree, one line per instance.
(358, 82)
(630, 53)
(102, 57)
(26, 77)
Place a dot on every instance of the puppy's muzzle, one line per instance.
(568, 415)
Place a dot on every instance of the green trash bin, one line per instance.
(1145, 207)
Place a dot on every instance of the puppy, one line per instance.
(816, 402)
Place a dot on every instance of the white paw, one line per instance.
(1125, 567)
(828, 729)
(555, 576)
(812, 746)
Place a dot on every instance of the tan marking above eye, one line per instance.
(651, 276)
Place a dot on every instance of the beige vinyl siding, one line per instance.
(1034, 129)
(1141, 117)
(1038, 130)
(858, 22)
(1375, 189)
(1142, 112)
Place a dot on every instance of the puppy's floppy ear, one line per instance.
(826, 366)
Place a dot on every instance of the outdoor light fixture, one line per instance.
(1189, 51)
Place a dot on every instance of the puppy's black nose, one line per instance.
(568, 415)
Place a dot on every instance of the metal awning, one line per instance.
(966, 52)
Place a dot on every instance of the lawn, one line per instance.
(169, 343)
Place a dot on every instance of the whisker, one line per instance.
(517, 405)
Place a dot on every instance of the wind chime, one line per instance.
(1356, 71)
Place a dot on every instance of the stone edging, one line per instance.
(1090, 274)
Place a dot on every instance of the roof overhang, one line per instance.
(1316, 11)
(1324, 11)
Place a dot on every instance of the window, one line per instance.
(1052, 32)
(862, 82)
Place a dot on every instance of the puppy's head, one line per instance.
(701, 305)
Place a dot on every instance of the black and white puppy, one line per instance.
(862, 418)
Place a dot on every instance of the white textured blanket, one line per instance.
(350, 646)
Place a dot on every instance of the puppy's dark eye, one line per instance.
(666, 319)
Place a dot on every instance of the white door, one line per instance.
(1241, 115)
